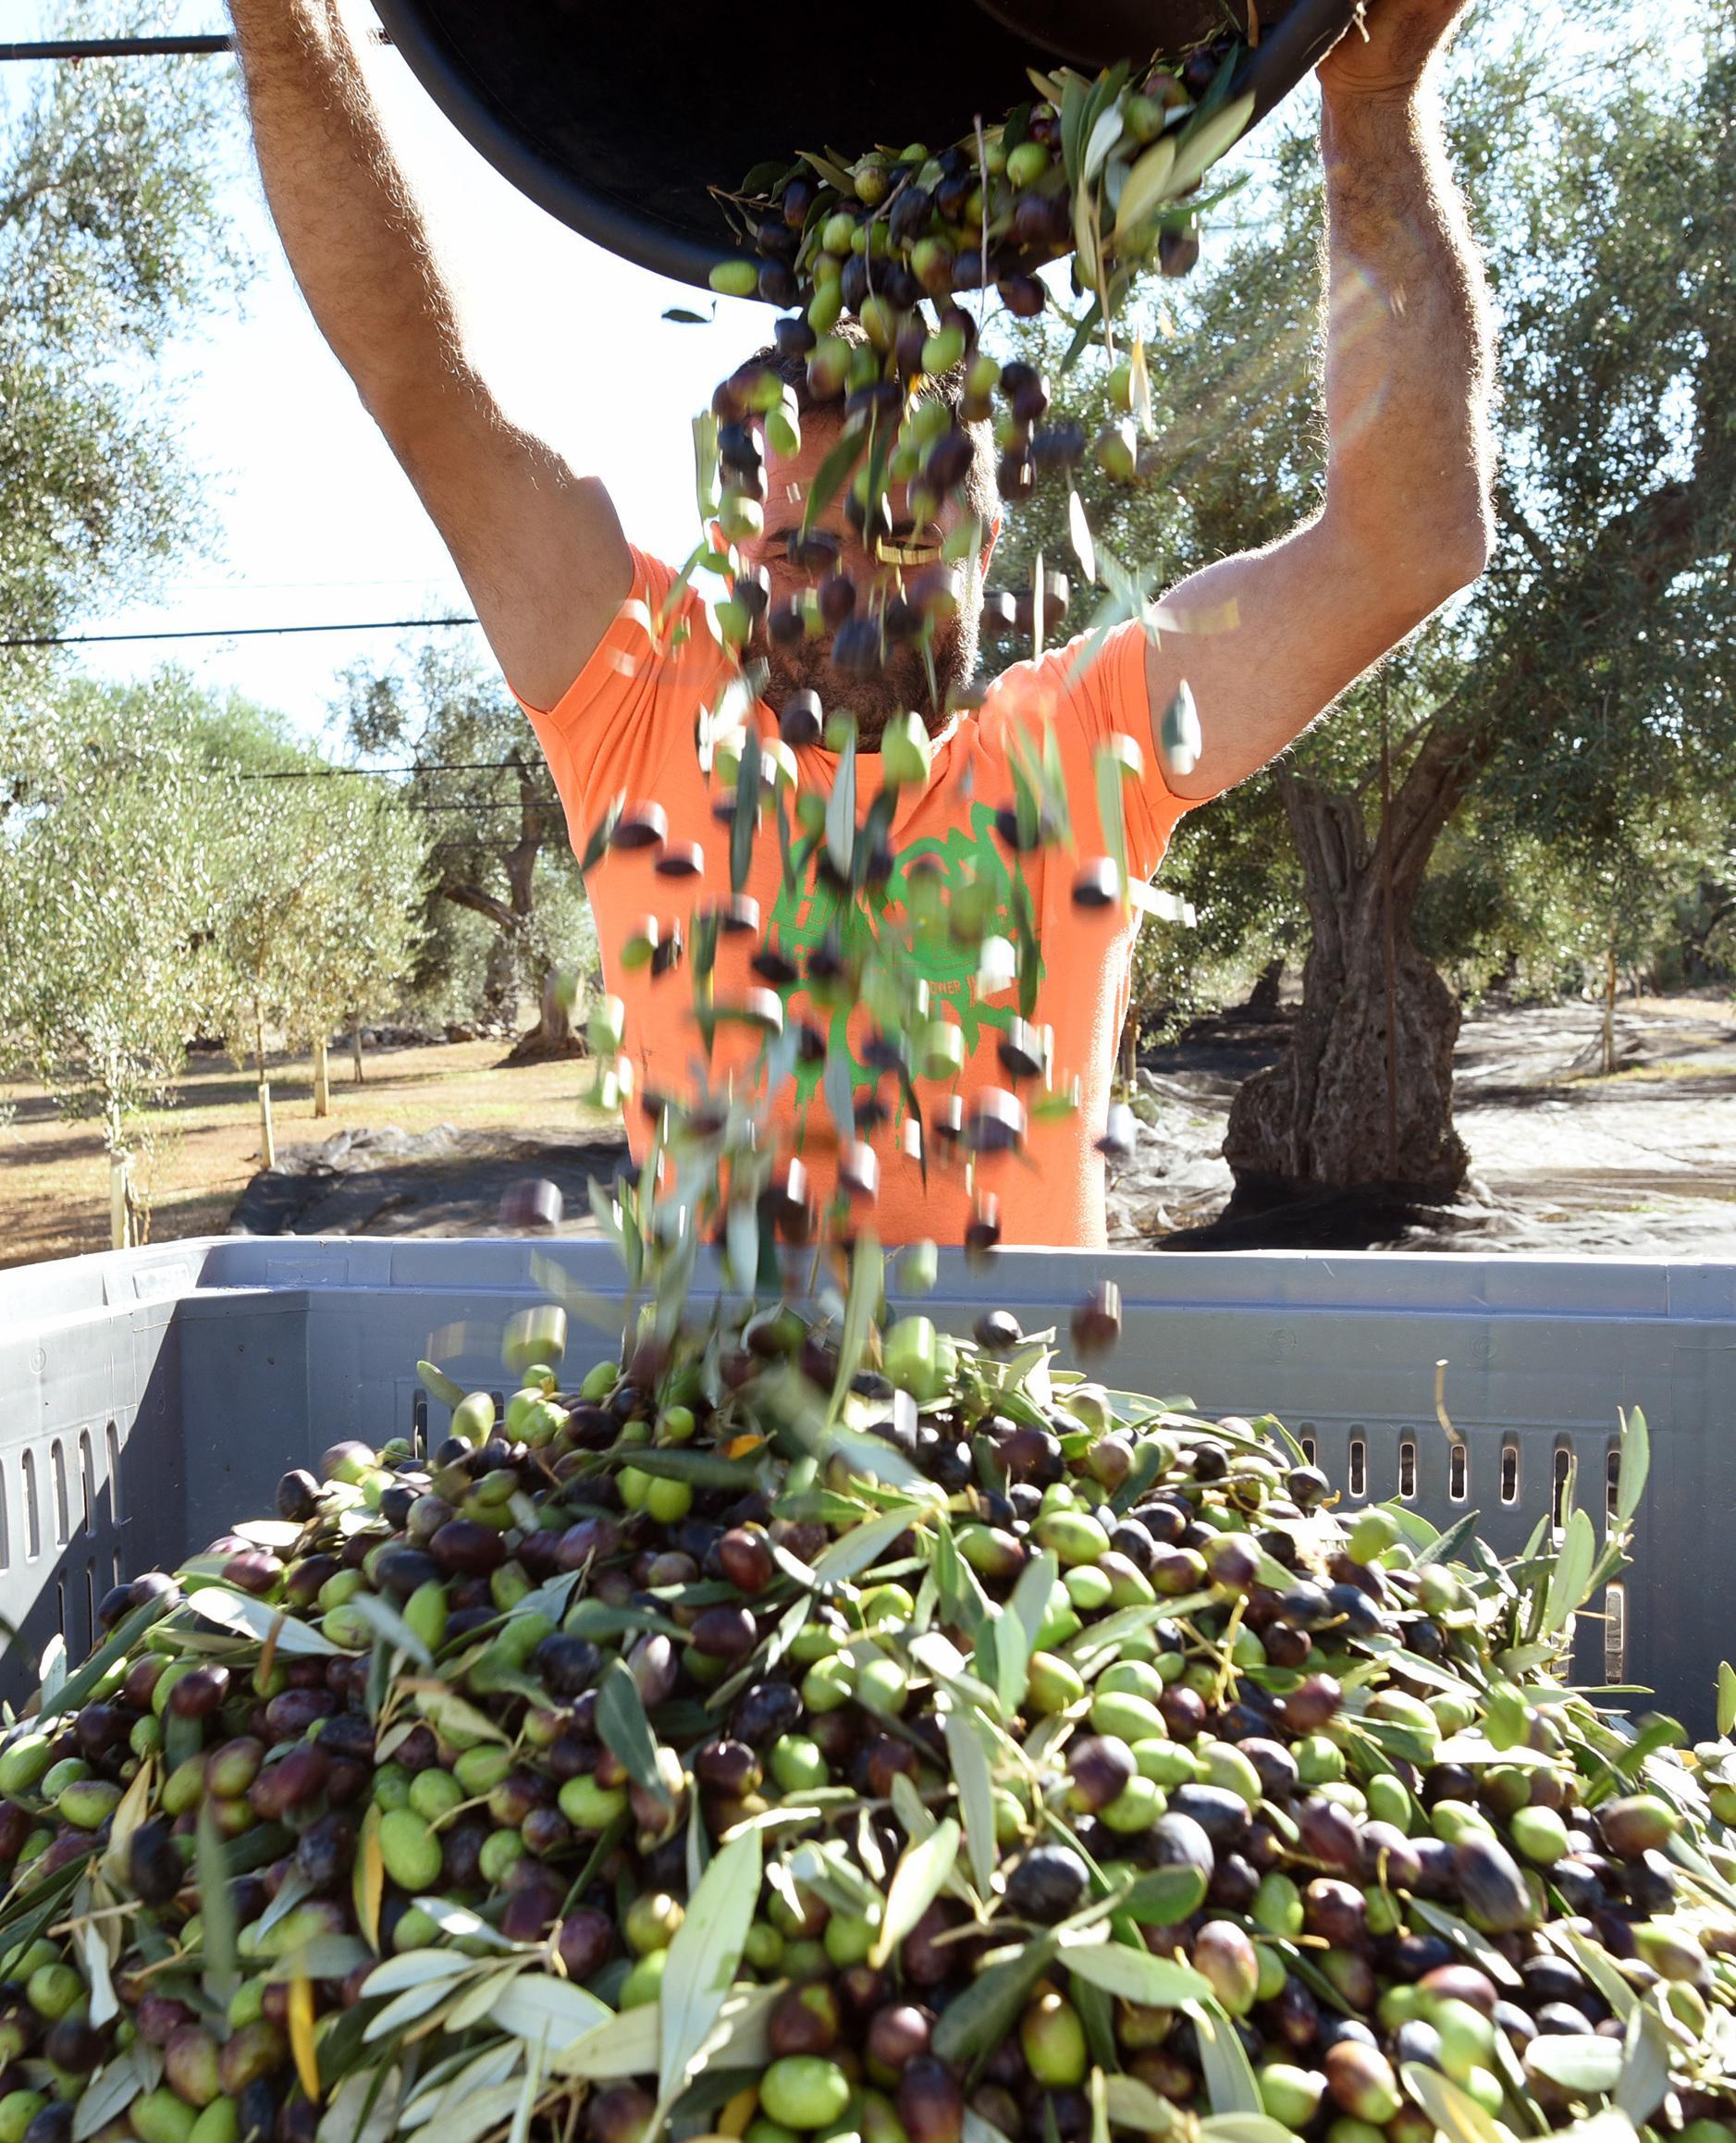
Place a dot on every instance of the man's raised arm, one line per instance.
(540, 551)
(1407, 512)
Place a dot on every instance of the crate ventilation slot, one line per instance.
(1558, 1496)
(63, 1510)
(32, 1510)
(1510, 1473)
(1614, 1631)
(1458, 1473)
(1612, 1472)
(1407, 1469)
(111, 1439)
(1359, 1465)
(1310, 1450)
(87, 1478)
(5, 1532)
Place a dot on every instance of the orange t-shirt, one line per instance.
(627, 726)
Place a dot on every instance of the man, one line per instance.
(576, 617)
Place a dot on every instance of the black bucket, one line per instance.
(619, 119)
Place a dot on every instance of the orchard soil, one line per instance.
(1566, 1161)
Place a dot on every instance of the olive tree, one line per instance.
(361, 930)
(105, 890)
(111, 235)
(496, 842)
(316, 884)
(1579, 693)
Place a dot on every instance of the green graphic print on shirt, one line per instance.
(973, 873)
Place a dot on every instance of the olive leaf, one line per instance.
(454, 1720)
(1136, 1976)
(917, 1880)
(108, 2094)
(1131, 2104)
(867, 1274)
(1165, 1897)
(841, 811)
(703, 1957)
(1145, 187)
(1454, 2111)
(745, 820)
(437, 1385)
(1570, 1576)
(1243, 2128)
(385, 1621)
(1644, 2076)
(625, 1730)
(989, 2008)
(831, 476)
(1593, 1961)
(533, 2005)
(1579, 2062)
(246, 1617)
(1229, 2077)
(862, 1546)
(216, 1906)
(1635, 1466)
(1110, 810)
(966, 1747)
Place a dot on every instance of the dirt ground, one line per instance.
(1642, 1164)
(1565, 1160)
(54, 1176)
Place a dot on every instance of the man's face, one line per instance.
(904, 686)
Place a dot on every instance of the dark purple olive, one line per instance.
(464, 1548)
(766, 1710)
(566, 1665)
(298, 1495)
(199, 1692)
(585, 1941)
(1047, 1884)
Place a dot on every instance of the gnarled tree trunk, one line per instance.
(1363, 1093)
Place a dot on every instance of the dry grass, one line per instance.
(54, 1175)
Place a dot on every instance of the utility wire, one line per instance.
(419, 766)
(132, 48)
(227, 631)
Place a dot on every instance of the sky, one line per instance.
(315, 521)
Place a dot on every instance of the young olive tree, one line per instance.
(104, 888)
(361, 928)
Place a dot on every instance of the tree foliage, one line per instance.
(111, 233)
(1569, 717)
(105, 890)
(498, 847)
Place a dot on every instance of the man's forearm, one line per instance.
(347, 222)
(1410, 347)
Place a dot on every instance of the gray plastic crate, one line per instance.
(149, 1399)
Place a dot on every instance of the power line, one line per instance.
(228, 632)
(133, 47)
(414, 767)
(117, 47)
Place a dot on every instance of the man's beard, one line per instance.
(903, 686)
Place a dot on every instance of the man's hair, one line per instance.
(982, 494)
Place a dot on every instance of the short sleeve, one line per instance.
(1091, 695)
(637, 698)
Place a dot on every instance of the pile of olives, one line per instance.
(830, 1727)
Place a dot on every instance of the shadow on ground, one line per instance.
(429, 1183)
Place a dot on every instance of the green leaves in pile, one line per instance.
(1229, 2077)
(625, 1730)
(1136, 1974)
(704, 1958)
(917, 1880)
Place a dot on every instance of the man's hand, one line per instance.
(1385, 51)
